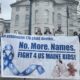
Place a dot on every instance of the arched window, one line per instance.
(59, 19)
(46, 16)
(53, 18)
(39, 17)
(17, 20)
(37, 3)
(7, 31)
(36, 16)
(17, 8)
(27, 20)
(27, 7)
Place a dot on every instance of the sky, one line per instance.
(6, 9)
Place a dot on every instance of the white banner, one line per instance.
(42, 57)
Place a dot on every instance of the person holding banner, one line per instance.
(38, 32)
(47, 32)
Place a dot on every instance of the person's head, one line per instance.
(39, 30)
(75, 33)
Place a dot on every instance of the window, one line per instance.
(17, 20)
(36, 2)
(7, 31)
(46, 17)
(41, 2)
(46, 2)
(79, 29)
(59, 22)
(59, 8)
(39, 17)
(70, 32)
(7, 24)
(36, 16)
(71, 25)
(27, 20)
(59, 19)
(17, 8)
(53, 31)
(26, 32)
(53, 18)
(27, 8)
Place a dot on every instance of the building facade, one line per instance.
(20, 17)
(48, 17)
(4, 26)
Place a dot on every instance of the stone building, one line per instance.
(4, 26)
(20, 17)
(48, 16)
